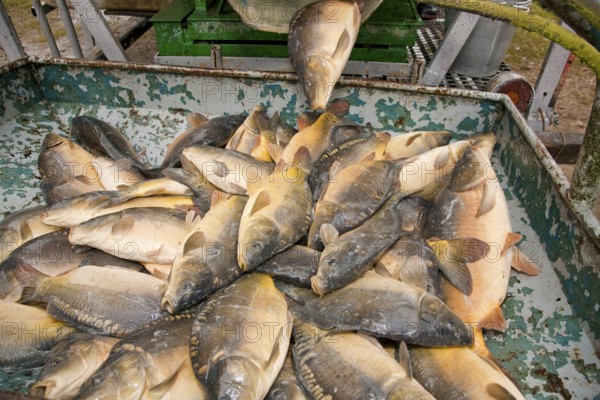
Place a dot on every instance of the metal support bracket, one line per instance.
(541, 112)
(95, 22)
(40, 12)
(9, 41)
(453, 41)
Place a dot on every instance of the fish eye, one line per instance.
(56, 361)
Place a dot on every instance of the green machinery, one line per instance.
(191, 30)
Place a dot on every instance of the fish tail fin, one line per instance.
(481, 349)
(152, 173)
(29, 278)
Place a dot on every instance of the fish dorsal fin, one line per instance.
(511, 239)
(342, 45)
(262, 200)
(488, 199)
(494, 320)
(328, 233)
(413, 271)
(196, 240)
(412, 139)
(339, 107)
(195, 119)
(25, 231)
(499, 392)
(217, 197)
(404, 359)
(122, 226)
(275, 151)
(303, 158)
(522, 263)
(370, 157)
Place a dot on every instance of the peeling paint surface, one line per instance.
(550, 346)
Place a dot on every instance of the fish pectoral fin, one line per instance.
(370, 157)
(217, 198)
(195, 241)
(488, 200)
(494, 320)
(195, 119)
(404, 359)
(380, 269)
(511, 240)
(303, 158)
(159, 391)
(411, 139)
(25, 231)
(339, 107)
(302, 122)
(499, 392)
(122, 226)
(414, 271)
(454, 268)
(328, 233)
(342, 45)
(220, 169)
(84, 179)
(442, 159)
(192, 219)
(275, 151)
(522, 263)
(370, 338)
(262, 200)
(100, 201)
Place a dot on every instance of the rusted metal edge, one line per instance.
(582, 211)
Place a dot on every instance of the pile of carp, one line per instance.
(260, 261)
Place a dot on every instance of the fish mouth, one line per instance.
(43, 389)
(167, 305)
(316, 283)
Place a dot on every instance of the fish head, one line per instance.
(412, 211)
(64, 213)
(96, 230)
(192, 281)
(440, 326)
(435, 139)
(470, 172)
(233, 377)
(258, 242)
(53, 140)
(330, 271)
(67, 366)
(318, 77)
(483, 141)
(122, 376)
